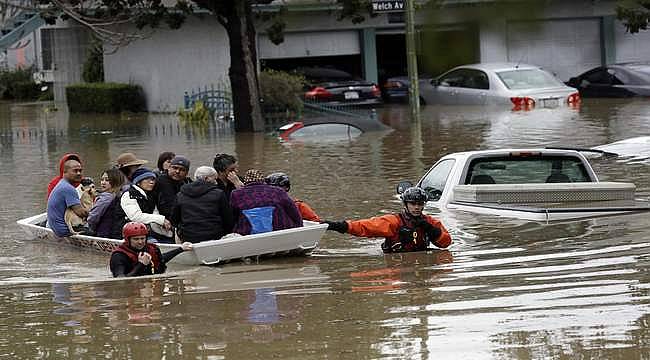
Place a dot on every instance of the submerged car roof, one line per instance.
(498, 66)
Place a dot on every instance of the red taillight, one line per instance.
(574, 99)
(318, 93)
(522, 103)
(375, 91)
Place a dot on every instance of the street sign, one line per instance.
(383, 6)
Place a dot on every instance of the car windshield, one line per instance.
(642, 72)
(522, 79)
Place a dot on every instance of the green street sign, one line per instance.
(383, 6)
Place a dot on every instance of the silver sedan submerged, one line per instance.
(521, 86)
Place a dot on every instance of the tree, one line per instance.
(634, 14)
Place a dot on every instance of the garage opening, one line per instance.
(348, 63)
(391, 55)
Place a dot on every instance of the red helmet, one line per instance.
(134, 229)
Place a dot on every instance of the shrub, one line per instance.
(104, 98)
(281, 91)
(93, 70)
(18, 85)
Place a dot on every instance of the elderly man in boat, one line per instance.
(409, 230)
(137, 257)
(64, 196)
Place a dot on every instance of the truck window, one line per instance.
(526, 170)
(434, 181)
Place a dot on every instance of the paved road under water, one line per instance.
(506, 288)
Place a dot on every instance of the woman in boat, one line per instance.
(409, 230)
(259, 207)
(164, 161)
(281, 180)
(139, 204)
(101, 215)
(136, 257)
(227, 169)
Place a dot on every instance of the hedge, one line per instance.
(18, 85)
(104, 98)
(281, 91)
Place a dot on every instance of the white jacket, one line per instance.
(134, 213)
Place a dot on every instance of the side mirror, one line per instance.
(403, 185)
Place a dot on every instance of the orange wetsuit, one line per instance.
(402, 233)
(306, 211)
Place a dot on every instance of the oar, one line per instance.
(598, 151)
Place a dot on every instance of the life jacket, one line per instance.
(409, 236)
(146, 203)
(154, 266)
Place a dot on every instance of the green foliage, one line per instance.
(634, 14)
(104, 98)
(93, 70)
(18, 85)
(198, 114)
(281, 90)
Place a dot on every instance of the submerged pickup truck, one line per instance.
(530, 184)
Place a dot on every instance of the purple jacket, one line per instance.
(100, 217)
(285, 213)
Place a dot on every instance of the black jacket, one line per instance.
(147, 205)
(202, 212)
(165, 193)
(122, 265)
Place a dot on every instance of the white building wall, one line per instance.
(492, 41)
(631, 47)
(171, 62)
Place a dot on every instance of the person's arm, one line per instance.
(306, 211)
(120, 263)
(102, 203)
(175, 217)
(134, 213)
(72, 202)
(166, 257)
(379, 226)
(443, 239)
(166, 199)
(225, 211)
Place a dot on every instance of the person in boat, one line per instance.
(137, 257)
(227, 170)
(139, 204)
(56, 179)
(282, 180)
(259, 207)
(168, 185)
(202, 211)
(64, 196)
(409, 230)
(102, 214)
(128, 163)
(164, 160)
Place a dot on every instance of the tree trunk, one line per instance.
(243, 68)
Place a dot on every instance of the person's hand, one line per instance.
(186, 246)
(144, 258)
(431, 231)
(340, 226)
(234, 179)
(167, 225)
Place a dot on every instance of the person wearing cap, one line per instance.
(128, 163)
(136, 257)
(168, 185)
(408, 230)
(260, 207)
(201, 211)
(138, 204)
(227, 173)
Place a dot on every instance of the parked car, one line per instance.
(338, 87)
(518, 85)
(617, 80)
(396, 89)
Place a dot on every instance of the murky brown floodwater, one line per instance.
(506, 289)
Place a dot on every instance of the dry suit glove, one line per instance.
(431, 232)
(340, 226)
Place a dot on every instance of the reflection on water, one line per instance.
(506, 289)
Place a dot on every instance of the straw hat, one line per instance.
(129, 159)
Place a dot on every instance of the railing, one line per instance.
(218, 100)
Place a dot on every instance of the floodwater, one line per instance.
(506, 289)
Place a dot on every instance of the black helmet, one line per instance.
(278, 179)
(414, 195)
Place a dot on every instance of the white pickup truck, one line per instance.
(531, 184)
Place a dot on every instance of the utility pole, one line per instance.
(412, 61)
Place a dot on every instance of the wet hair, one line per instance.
(115, 178)
(167, 155)
(222, 161)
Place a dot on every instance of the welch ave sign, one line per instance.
(382, 6)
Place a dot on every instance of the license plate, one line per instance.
(351, 95)
(549, 103)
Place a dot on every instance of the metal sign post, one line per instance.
(383, 6)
